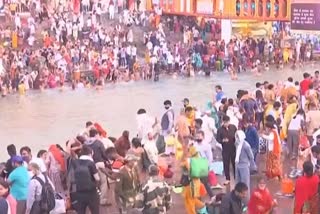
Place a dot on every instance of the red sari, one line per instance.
(306, 191)
(260, 198)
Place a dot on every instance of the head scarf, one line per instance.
(58, 156)
(240, 139)
(101, 131)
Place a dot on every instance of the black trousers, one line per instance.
(82, 200)
(227, 158)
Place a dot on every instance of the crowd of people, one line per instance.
(276, 121)
(279, 122)
(61, 44)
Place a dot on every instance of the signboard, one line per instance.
(205, 7)
(305, 16)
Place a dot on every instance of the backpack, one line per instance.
(70, 175)
(48, 201)
(145, 160)
(83, 177)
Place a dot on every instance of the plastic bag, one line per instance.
(60, 206)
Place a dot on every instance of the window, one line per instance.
(268, 8)
(238, 7)
(245, 7)
(253, 7)
(276, 8)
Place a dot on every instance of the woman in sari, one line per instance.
(306, 191)
(56, 168)
(193, 189)
(261, 201)
(273, 163)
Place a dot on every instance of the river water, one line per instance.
(49, 117)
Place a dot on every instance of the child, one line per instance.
(304, 154)
(254, 69)
(266, 67)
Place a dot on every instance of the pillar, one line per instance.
(264, 8)
(288, 9)
(249, 7)
(256, 2)
(241, 8)
(281, 9)
(272, 8)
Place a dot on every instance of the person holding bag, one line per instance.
(294, 133)
(193, 188)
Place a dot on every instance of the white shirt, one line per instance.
(234, 115)
(106, 142)
(128, 50)
(209, 128)
(149, 45)
(134, 51)
(170, 58)
(154, 60)
(204, 150)
(144, 123)
(288, 84)
(295, 123)
(31, 40)
(314, 135)
(269, 139)
(151, 150)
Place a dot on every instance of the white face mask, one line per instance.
(31, 174)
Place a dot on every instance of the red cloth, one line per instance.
(96, 71)
(260, 198)
(306, 188)
(101, 130)
(76, 6)
(58, 156)
(304, 86)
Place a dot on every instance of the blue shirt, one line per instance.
(19, 179)
(219, 96)
(252, 137)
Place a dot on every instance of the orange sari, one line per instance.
(273, 164)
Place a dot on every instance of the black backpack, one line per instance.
(145, 160)
(48, 201)
(83, 178)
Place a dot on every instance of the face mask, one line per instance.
(198, 140)
(31, 173)
(25, 158)
(166, 107)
